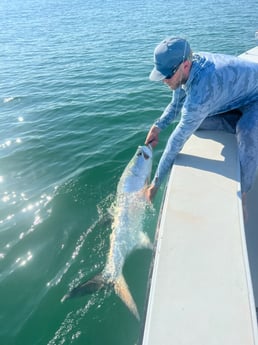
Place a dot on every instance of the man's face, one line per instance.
(179, 78)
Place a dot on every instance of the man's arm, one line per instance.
(173, 110)
(170, 114)
(188, 124)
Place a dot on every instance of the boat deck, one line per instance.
(201, 289)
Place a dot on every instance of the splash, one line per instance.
(8, 99)
(101, 221)
(68, 332)
(79, 244)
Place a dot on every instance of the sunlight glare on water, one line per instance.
(75, 103)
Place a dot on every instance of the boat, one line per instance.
(203, 286)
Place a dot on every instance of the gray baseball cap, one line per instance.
(168, 55)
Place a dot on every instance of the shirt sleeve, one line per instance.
(191, 119)
(173, 110)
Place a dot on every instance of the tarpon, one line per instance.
(127, 229)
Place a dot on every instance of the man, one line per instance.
(211, 91)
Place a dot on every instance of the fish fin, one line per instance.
(122, 290)
(92, 285)
(144, 241)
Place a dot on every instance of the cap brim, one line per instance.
(156, 75)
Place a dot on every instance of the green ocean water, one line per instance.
(75, 102)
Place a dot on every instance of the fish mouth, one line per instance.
(147, 151)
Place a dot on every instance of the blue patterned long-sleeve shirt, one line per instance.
(217, 83)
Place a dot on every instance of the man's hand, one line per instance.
(153, 136)
(150, 192)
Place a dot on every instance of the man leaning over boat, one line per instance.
(210, 91)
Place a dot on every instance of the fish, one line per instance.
(127, 232)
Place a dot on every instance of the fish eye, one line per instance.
(139, 154)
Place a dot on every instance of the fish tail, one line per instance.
(98, 282)
(88, 287)
(122, 290)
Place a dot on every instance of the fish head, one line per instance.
(137, 173)
(146, 151)
(142, 162)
